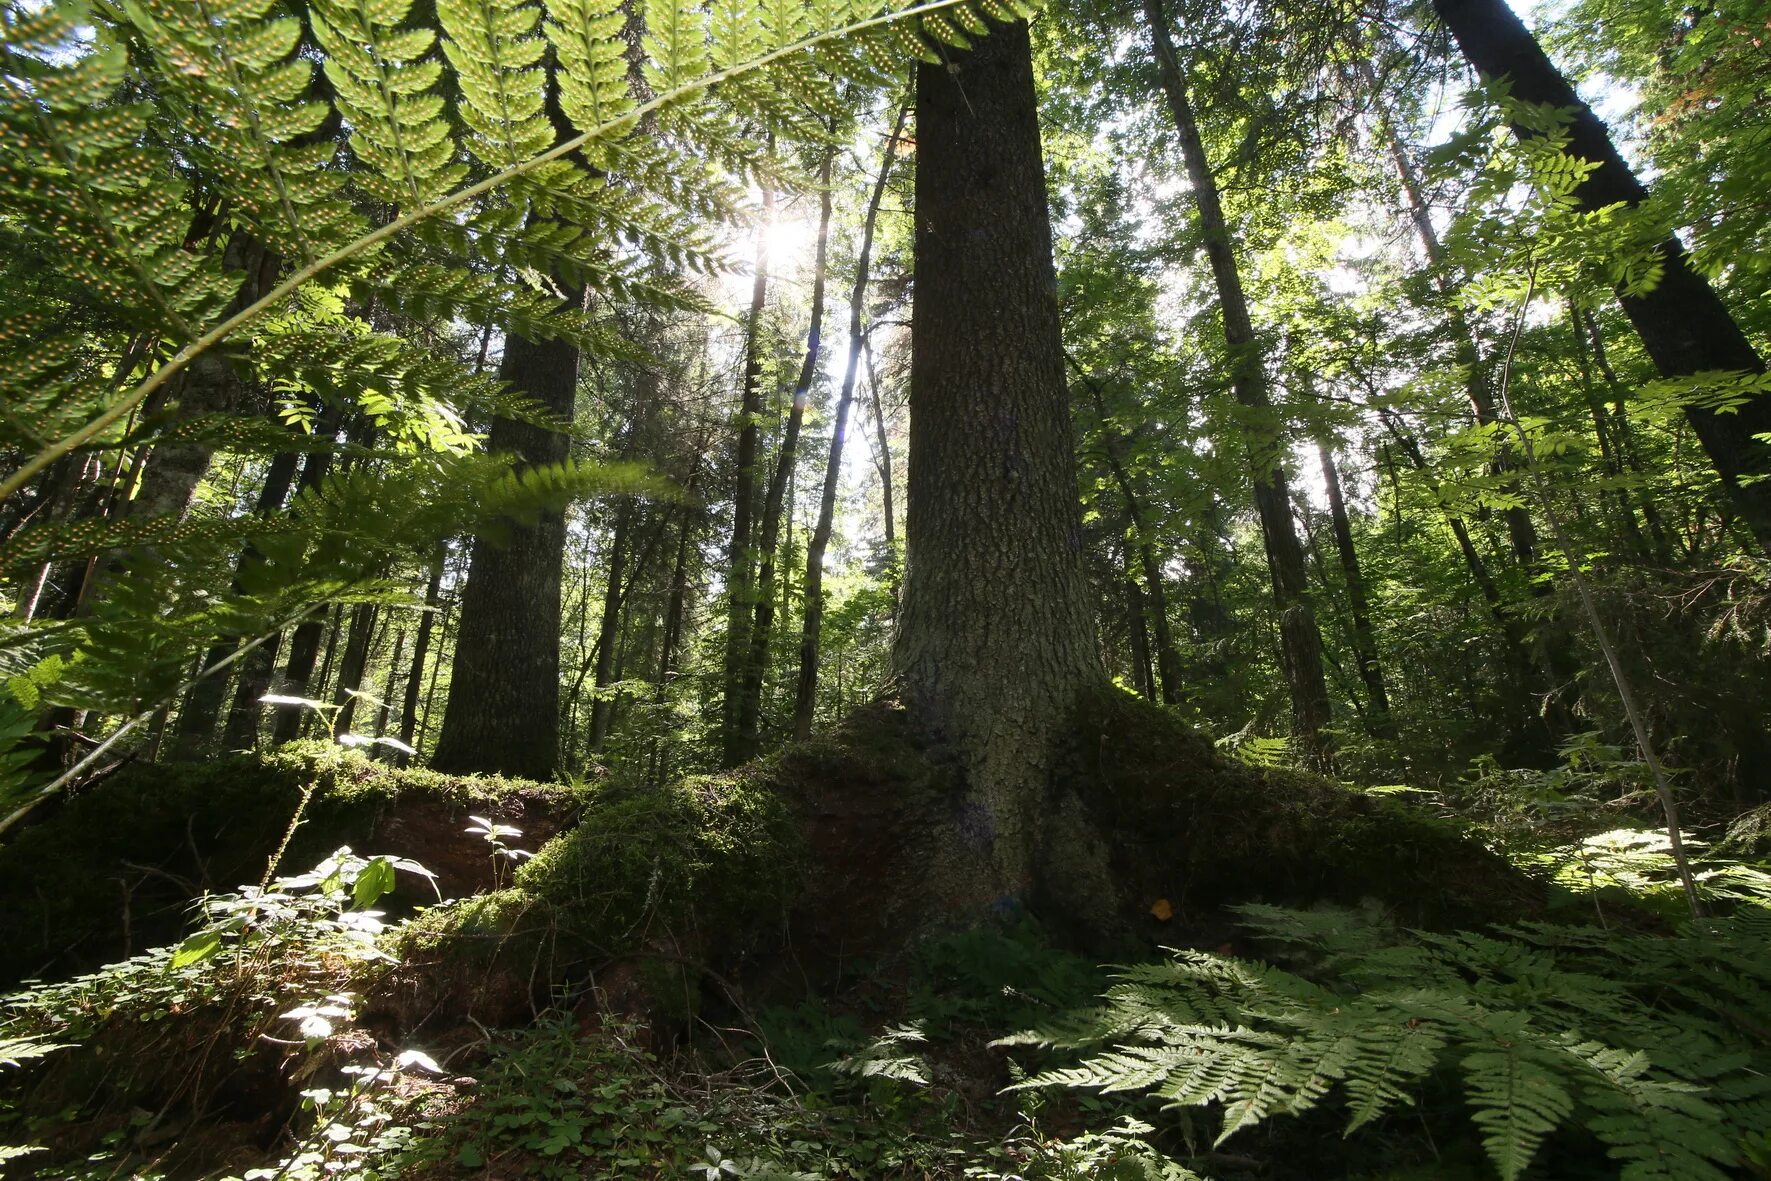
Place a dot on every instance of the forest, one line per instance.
(1017, 590)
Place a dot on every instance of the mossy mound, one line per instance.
(696, 872)
(114, 868)
(1191, 830)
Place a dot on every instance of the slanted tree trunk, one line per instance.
(1300, 640)
(1683, 323)
(756, 662)
(996, 638)
(740, 582)
(1521, 531)
(806, 689)
(504, 690)
(1371, 671)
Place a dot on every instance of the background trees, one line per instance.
(1292, 273)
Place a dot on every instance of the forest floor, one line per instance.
(728, 977)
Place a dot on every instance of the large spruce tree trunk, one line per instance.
(1683, 323)
(996, 638)
(1299, 638)
(504, 691)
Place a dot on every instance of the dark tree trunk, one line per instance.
(996, 638)
(885, 462)
(504, 691)
(805, 699)
(1300, 641)
(384, 711)
(353, 665)
(433, 595)
(608, 626)
(1371, 671)
(1529, 736)
(740, 555)
(757, 659)
(208, 386)
(1521, 531)
(1143, 671)
(1168, 658)
(1683, 323)
(197, 717)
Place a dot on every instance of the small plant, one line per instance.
(496, 836)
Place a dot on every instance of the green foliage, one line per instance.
(1646, 1041)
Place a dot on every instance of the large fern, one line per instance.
(1655, 1044)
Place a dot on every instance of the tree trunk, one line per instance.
(757, 659)
(504, 691)
(996, 638)
(1168, 658)
(304, 643)
(384, 711)
(885, 464)
(1300, 641)
(353, 665)
(805, 700)
(197, 717)
(740, 584)
(1683, 323)
(1143, 670)
(1364, 634)
(433, 595)
(1521, 531)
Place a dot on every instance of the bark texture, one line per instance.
(504, 691)
(996, 638)
(1683, 323)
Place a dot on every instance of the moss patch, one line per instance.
(1196, 829)
(648, 883)
(114, 869)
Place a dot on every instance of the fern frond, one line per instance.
(385, 77)
(496, 51)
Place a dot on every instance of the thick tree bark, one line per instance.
(504, 691)
(756, 661)
(1300, 640)
(805, 699)
(740, 556)
(996, 637)
(1371, 671)
(1684, 325)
